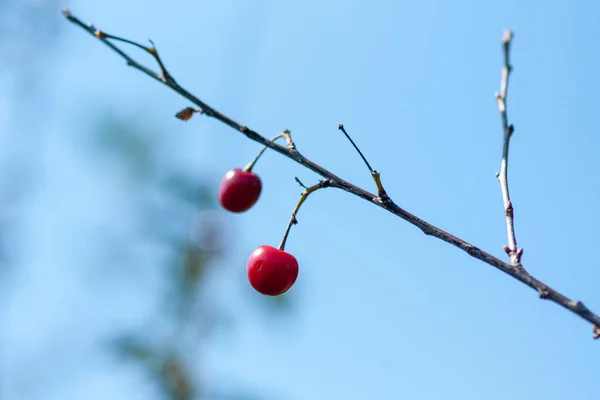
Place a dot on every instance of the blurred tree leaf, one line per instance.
(188, 189)
(175, 378)
(130, 144)
(195, 264)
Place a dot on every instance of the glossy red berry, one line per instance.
(271, 271)
(239, 190)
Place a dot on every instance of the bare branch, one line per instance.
(333, 180)
(513, 252)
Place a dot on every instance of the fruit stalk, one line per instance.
(303, 196)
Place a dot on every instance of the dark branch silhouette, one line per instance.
(381, 200)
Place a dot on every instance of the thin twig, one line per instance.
(374, 174)
(513, 252)
(519, 274)
(360, 153)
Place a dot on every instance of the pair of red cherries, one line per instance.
(270, 271)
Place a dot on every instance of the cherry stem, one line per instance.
(374, 174)
(290, 144)
(303, 196)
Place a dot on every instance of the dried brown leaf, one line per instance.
(186, 113)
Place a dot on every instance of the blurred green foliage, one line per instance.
(162, 189)
(170, 201)
(175, 210)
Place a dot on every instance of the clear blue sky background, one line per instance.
(382, 311)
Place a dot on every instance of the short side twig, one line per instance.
(544, 291)
(513, 252)
(383, 196)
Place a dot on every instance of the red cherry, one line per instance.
(271, 271)
(239, 190)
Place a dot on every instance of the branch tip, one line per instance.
(596, 332)
(507, 37)
(300, 182)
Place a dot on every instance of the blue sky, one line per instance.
(381, 310)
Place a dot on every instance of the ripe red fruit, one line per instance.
(239, 190)
(271, 271)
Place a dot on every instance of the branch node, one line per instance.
(381, 193)
(325, 183)
(509, 210)
(472, 250)
(544, 293)
(287, 135)
(580, 307)
(596, 332)
(519, 255)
